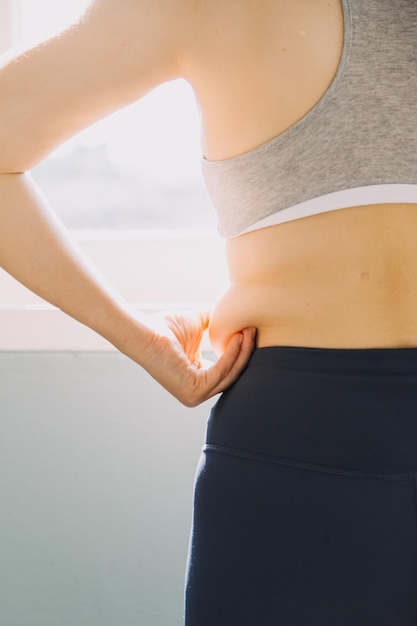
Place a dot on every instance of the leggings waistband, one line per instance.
(353, 410)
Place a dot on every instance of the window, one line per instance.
(139, 168)
(130, 188)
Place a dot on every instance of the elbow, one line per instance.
(10, 174)
(10, 178)
(9, 166)
(10, 171)
(12, 157)
(12, 160)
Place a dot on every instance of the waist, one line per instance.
(345, 279)
(331, 410)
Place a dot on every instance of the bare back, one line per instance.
(339, 279)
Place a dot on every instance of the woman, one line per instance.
(305, 509)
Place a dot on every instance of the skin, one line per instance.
(326, 280)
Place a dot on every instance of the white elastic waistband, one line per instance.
(358, 196)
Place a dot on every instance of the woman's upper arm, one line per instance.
(117, 52)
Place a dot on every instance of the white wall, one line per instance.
(96, 473)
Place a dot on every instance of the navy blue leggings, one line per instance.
(305, 501)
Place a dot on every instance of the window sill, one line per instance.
(156, 270)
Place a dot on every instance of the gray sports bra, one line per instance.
(357, 146)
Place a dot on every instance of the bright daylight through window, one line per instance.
(137, 169)
(130, 188)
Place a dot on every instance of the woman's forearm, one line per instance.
(109, 59)
(37, 250)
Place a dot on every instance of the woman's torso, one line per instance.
(338, 279)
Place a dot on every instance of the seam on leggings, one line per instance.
(415, 502)
(415, 497)
(261, 458)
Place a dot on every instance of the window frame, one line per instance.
(9, 23)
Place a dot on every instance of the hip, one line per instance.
(348, 411)
(305, 499)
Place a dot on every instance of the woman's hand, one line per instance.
(36, 250)
(173, 358)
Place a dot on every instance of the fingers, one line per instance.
(204, 319)
(183, 376)
(231, 364)
(246, 348)
(188, 331)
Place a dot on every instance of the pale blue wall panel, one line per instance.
(96, 472)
